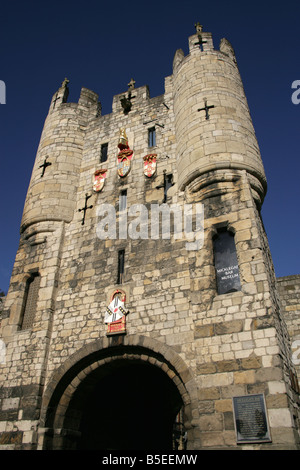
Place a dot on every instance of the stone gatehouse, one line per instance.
(143, 300)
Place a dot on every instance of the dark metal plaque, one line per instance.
(251, 422)
(226, 263)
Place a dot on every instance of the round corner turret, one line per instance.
(213, 125)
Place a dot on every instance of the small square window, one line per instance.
(152, 137)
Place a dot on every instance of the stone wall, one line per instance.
(289, 295)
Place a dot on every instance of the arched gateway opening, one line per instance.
(119, 397)
(129, 406)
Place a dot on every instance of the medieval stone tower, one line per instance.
(142, 311)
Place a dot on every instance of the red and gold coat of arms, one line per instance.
(99, 180)
(150, 164)
(124, 161)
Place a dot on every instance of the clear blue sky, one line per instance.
(101, 45)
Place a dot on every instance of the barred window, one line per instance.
(30, 301)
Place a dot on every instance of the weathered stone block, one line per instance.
(204, 331)
(234, 326)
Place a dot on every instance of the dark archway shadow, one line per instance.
(126, 406)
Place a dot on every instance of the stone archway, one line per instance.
(76, 393)
(126, 404)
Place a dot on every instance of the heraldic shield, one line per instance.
(99, 180)
(115, 316)
(125, 155)
(150, 164)
(124, 162)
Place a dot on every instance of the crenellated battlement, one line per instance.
(88, 101)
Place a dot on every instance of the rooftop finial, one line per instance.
(131, 84)
(199, 28)
(65, 83)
